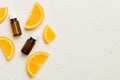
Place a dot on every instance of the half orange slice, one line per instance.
(7, 46)
(35, 61)
(3, 13)
(36, 17)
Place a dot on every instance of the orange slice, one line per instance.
(36, 17)
(3, 13)
(48, 34)
(35, 61)
(7, 46)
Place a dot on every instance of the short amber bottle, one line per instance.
(15, 26)
(29, 44)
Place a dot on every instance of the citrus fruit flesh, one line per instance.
(7, 47)
(3, 13)
(36, 17)
(35, 61)
(48, 34)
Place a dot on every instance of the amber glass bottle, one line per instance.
(15, 25)
(29, 44)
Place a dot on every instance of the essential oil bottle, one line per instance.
(15, 25)
(29, 44)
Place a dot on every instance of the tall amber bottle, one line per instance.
(15, 26)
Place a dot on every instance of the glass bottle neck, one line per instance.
(14, 19)
(32, 39)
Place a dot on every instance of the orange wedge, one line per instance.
(48, 34)
(3, 13)
(7, 46)
(35, 61)
(36, 17)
